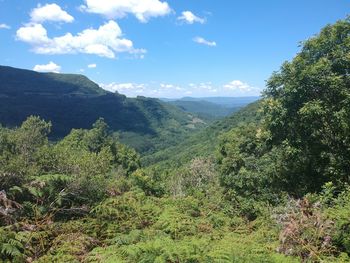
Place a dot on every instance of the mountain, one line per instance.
(73, 101)
(230, 102)
(206, 110)
(211, 108)
(19, 82)
(205, 141)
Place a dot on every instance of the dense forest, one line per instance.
(269, 183)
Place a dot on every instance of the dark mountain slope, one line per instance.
(19, 82)
(73, 101)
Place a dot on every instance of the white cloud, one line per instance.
(120, 86)
(4, 26)
(105, 41)
(170, 87)
(142, 9)
(149, 90)
(166, 86)
(130, 89)
(204, 87)
(161, 90)
(50, 12)
(202, 41)
(190, 18)
(241, 88)
(50, 67)
(92, 66)
(34, 34)
(238, 85)
(234, 88)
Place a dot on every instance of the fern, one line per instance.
(11, 246)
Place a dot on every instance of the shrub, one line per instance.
(305, 231)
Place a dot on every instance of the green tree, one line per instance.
(308, 111)
(19, 150)
(31, 135)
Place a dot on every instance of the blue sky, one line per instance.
(159, 48)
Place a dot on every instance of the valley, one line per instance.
(90, 175)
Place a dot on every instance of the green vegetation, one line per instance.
(267, 184)
(73, 101)
(204, 142)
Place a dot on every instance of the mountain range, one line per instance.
(73, 101)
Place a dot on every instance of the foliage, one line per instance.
(203, 143)
(266, 185)
(338, 211)
(305, 233)
(73, 101)
(11, 246)
(73, 172)
(307, 110)
(198, 177)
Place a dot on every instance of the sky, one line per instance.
(163, 48)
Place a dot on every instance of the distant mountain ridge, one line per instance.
(227, 101)
(211, 108)
(74, 101)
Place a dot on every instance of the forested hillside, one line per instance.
(268, 184)
(73, 101)
(204, 142)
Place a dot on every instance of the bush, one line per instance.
(305, 231)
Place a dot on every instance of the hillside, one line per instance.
(73, 101)
(19, 82)
(204, 142)
(269, 183)
(211, 108)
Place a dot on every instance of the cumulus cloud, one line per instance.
(105, 41)
(238, 85)
(4, 26)
(202, 41)
(170, 87)
(50, 67)
(50, 12)
(190, 18)
(142, 10)
(241, 88)
(157, 90)
(92, 66)
(235, 88)
(34, 34)
(131, 89)
(203, 88)
(161, 90)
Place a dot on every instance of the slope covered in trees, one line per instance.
(204, 142)
(73, 101)
(268, 184)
